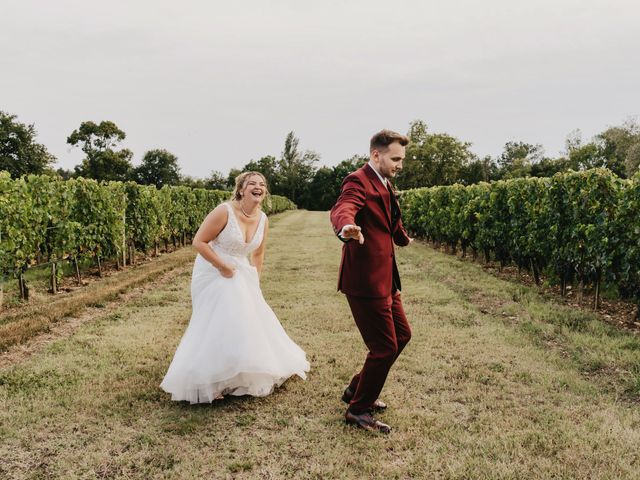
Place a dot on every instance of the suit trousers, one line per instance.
(385, 331)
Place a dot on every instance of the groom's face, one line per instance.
(389, 160)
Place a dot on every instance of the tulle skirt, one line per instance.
(234, 343)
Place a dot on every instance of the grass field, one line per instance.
(497, 383)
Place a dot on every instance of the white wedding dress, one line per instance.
(234, 343)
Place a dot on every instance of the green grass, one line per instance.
(41, 314)
(497, 383)
(38, 280)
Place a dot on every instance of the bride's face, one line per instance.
(254, 189)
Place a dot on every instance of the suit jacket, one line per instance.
(369, 270)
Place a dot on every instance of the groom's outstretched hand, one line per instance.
(352, 232)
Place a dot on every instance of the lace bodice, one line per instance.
(231, 239)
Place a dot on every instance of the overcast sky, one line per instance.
(219, 83)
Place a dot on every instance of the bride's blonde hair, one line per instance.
(240, 182)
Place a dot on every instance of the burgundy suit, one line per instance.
(369, 278)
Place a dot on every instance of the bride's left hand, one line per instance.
(227, 271)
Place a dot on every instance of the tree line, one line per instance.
(432, 159)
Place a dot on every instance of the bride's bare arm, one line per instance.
(211, 227)
(257, 256)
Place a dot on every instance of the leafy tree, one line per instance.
(517, 159)
(159, 167)
(520, 167)
(325, 186)
(632, 162)
(296, 170)
(268, 166)
(65, 174)
(617, 148)
(20, 154)
(345, 167)
(231, 178)
(585, 157)
(433, 158)
(519, 150)
(417, 132)
(98, 142)
(191, 182)
(321, 190)
(478, 170)
(620, 148)
(216, 181)
(573, 140)
(107, 165)
(548, 167)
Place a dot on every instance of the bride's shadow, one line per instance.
(228, 403)
(184, 418)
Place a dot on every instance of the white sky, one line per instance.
(219, 83)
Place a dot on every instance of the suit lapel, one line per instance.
(382, 190)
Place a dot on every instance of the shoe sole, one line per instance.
(367, 428)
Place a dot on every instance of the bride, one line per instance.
(234, 343)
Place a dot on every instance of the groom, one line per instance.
(367, 218)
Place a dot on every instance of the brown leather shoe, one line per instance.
(366, 421)
(377, 406)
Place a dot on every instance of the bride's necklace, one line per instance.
(245, 213)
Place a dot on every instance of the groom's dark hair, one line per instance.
(384, 138)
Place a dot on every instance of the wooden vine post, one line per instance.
(2, 280)
(54, 278)
(124, 239)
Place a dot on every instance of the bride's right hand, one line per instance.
(227, 271)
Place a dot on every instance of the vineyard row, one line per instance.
(575, 227)
(44, 219)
